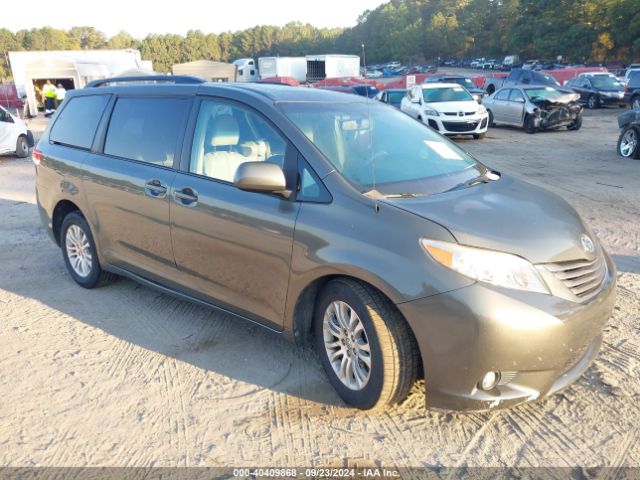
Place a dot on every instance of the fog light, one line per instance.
(490, 380)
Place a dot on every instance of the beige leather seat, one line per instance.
(223, 161)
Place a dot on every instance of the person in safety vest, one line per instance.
(49, 94)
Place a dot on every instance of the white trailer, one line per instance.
(70, 68)
(247, 71)
(321, 67)
(294, 67)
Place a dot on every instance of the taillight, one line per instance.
(36, 156)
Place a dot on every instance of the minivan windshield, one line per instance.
(383, 151)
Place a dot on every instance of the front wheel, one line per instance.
(22, 147)
(478, 136)
(635, 103)
(577, 124)
(593, 102)
(80, 254)
(629, 143)
(365, 345)
(492, 122)
(530, 124)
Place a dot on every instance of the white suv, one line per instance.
(448, 108)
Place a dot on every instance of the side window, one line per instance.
(227, 136)
(77, 123)
(310, 188)
(240, 71)
(516, 96)
(5, 117)
(146, 129)
(503, 94)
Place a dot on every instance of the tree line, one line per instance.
(412, 31)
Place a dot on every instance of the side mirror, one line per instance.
(261, 177)
(416, 100)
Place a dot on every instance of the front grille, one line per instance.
(583, 277)
(460, 126)
(457, 114)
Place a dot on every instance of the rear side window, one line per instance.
(146, 129)
(77, 123)
(515, 75)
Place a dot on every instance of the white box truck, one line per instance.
(321, 67)
(246, 70)
(294, 67)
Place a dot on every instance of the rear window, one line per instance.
(146, 129)
(77, 123)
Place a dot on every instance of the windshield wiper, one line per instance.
(485, 177)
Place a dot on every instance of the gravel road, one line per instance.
(127, 376)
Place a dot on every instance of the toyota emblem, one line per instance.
(587, 244)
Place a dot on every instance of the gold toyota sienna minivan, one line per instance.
(334, 219)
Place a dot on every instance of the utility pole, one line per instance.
(364, 61)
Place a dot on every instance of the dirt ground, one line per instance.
(127, 376)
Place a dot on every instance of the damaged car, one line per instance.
(534, 108)
(629, 139)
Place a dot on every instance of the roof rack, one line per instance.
(177, 79)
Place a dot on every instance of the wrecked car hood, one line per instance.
(564, 99)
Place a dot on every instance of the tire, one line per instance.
(393, 353)
(635, 103)
(478, 136)
(87, 273)
(629, 142)
(491, 89)
(22, 147)
(529, 124)
(577, 124)
(492, 123)
(593, 102)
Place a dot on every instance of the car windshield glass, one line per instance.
(606, 82)
(396, 97)
(465, 82)
(549, 93)
(447, 94)
(545, 79)
(383, 151)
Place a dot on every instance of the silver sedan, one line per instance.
(534, 108)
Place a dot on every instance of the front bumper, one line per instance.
(612, 100)
(450, 125)
(538, 343)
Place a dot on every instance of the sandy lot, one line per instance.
(126, 376)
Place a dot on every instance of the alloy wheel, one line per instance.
(347, 345)
(78, 251)
(628, 143)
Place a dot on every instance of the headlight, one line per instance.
(433, 113)
(482, 110)
(496, 268)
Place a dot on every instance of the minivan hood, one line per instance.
(507, 215)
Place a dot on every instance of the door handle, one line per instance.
(155, 188)
(186, 196)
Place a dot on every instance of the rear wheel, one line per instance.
(593, 101)
(629, 143)
(80, 254)
(530, 124)
(365, 346)
(22, 147)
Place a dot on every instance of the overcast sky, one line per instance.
(214, 16)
